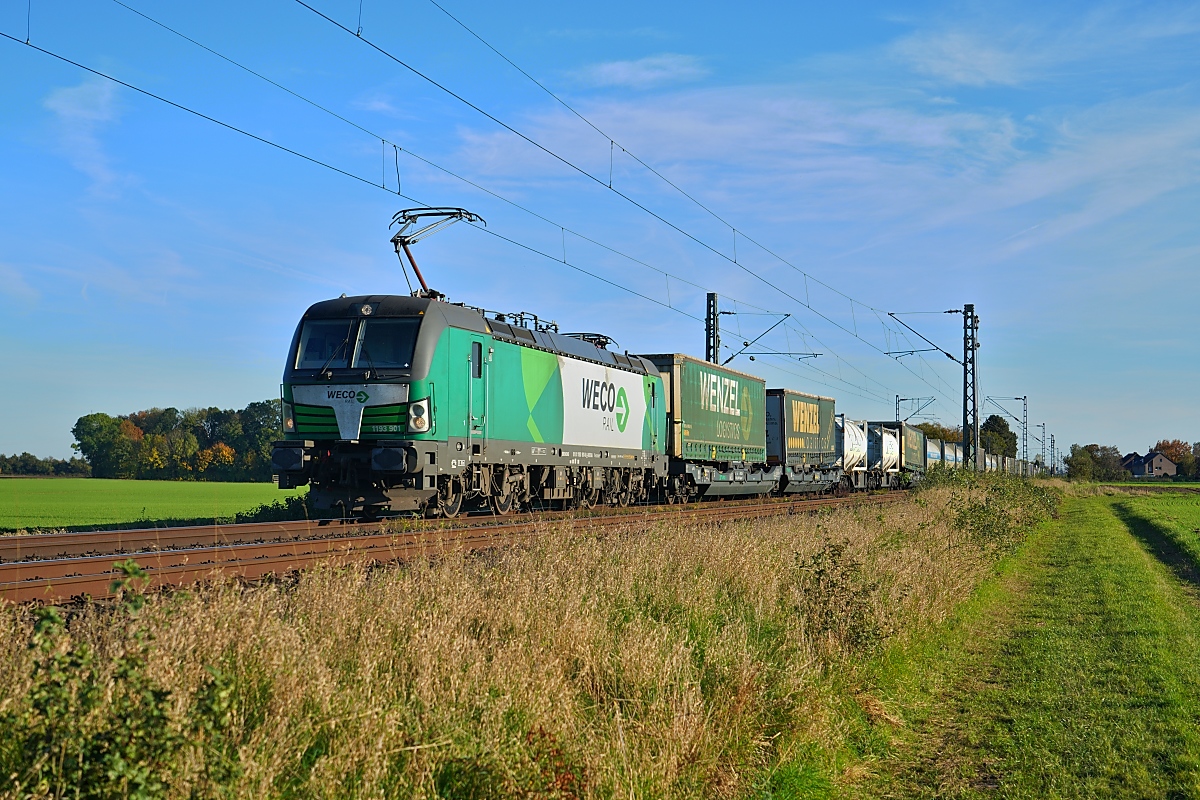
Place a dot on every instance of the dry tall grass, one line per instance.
(678, 660)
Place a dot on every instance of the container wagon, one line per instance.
(952, 454)
(883, 457)
(933, 453)
(716, 429)
(800, 441)
(850, 441)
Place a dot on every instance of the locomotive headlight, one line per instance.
(289, 419)
(418, 416)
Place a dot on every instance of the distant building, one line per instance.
(1151, 465)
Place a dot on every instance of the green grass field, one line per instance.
(54, 503)
(1075, 676)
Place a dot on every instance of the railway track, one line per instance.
(55, 568)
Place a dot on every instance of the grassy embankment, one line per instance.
(683, 660)
(72, 503)
(1074, 675)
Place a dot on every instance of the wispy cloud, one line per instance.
(82, 112)
(644, 73)
(962, 58)
(991, 51)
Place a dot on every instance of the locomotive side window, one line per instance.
(476, 360)
(325, 344)
(387, 343)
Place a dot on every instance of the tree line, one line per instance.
(1095, 462)
(210, 444)
(29, 464)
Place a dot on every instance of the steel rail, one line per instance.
(54, 545)
(62, 579)
(25, 547)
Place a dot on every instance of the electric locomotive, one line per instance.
(411, 403)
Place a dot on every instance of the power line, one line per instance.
(613, 143)
(627, 198)
(397, 149)
(345, 173)
(635, 157)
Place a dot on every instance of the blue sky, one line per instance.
(1040, 162)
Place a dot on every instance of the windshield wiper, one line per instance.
(337, 350)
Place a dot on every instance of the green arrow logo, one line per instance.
(362, 397)
(622, 409)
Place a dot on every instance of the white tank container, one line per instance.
(883, 449)
(851, 441)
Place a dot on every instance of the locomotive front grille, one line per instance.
(320, 421)
(317, 421)
(385, 419)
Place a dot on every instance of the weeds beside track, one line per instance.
(675, 658)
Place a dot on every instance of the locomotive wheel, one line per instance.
(502, 495)
(450, 503)
(502, 503)
(589, 498)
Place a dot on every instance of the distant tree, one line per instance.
(1095, 462)
(936, 430)
(997, 438)
(1080, 466)
(260, 429)
(1180, 452)
(100, 441)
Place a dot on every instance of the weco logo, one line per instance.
(347, 394)
(607, 397)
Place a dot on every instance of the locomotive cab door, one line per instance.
(477, 398)
(654, 415)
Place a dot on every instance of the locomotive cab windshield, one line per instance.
(373, 343)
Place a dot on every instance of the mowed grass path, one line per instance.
(49, 503)
(1080, 677)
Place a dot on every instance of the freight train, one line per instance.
(398, 403)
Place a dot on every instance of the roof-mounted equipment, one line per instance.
(409, 218)
(600, 340)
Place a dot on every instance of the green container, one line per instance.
(799, 428)
(716, 414)
(912, 448)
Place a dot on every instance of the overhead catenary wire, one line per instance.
(368, 182)
(398, 149)
(326, 165)
(634, 156)
(580, 170)
(614, 144)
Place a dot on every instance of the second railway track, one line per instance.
(55, 568)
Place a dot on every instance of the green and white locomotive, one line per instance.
(415, 404)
